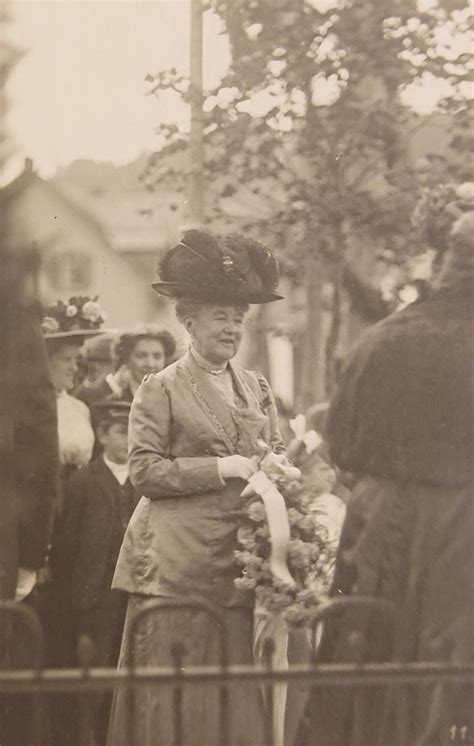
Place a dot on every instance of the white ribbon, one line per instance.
(274, 628)
(278, 524)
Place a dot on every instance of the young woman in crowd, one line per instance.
(143, 350)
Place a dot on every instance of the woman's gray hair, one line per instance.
(187, 307)
(190, 307)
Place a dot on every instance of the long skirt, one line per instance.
(411, 545)
(156, 715)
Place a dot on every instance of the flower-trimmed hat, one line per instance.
(77, 319)
(227, 269)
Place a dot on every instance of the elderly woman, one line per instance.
(137, 353)
(193, 431)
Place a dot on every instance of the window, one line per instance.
(71, 271)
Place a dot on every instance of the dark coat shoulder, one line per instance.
(404, 404)
(90, 532)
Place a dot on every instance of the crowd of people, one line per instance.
(95, 375)
(155, 450)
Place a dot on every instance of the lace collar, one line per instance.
(214, 370)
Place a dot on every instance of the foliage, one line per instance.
(308, 116)
(309, 130)
(9, 57)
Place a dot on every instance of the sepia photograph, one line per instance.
(236, 372)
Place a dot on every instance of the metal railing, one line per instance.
(40, 684)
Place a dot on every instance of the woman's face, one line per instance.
(63, 364)
(216, 331)
(148, 356)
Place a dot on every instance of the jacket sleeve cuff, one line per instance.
(200, 474)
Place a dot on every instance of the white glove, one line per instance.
(236, 467)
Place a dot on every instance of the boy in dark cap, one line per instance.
(99, 502)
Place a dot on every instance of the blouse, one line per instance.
(75, 433)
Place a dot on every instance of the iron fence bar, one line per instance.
(177, 653)
(269, 704)
(336, 606)
(324, 615)
(402, 715)
(216, 617)
(86, 654)
(359, 717)
(362, 678)
(29, 619)
(224, 706)
(332, 674)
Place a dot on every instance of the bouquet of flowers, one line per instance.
(314, 520)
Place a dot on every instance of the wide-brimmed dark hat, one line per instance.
(110, 410)
(228, 269)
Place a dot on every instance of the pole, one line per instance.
(196, 140)
(313, 379)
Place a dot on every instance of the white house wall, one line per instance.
(40, 216)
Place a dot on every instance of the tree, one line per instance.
(310, 125)
(9, 57)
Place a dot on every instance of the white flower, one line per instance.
(325, 91)
(312, 440)
(254, 30)
(465, 191)
(91, 311)
(71, 311)
(298, 425)
(49, 325)
(323, 6)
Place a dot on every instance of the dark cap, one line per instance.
(110, 410)
(99, 348)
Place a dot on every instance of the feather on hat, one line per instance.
(212, 268)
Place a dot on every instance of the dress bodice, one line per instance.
(182, 536)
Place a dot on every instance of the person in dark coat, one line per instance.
(28, 471)
(402, 423)
(98, 504)
(139, 352)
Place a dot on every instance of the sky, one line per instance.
(80, 91)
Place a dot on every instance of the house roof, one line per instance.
(135, 220)
(29, 177)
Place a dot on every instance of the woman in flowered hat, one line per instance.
(65, 327)
(193, 430)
